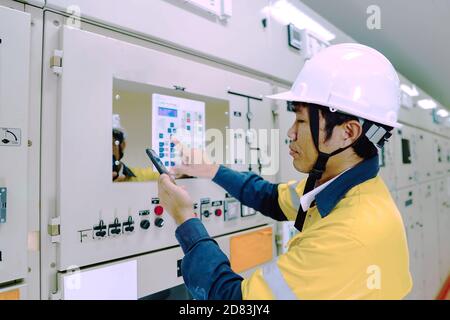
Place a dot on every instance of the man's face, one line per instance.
(302, 148)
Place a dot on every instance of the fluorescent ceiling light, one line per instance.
(442, 113)
(285, 13)
(410, 91)
(427, 104)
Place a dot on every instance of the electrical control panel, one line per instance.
(176, 117)
(125, 217)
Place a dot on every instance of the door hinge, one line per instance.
(56, 62)
(54, 229)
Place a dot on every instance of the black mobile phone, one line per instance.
(156, 161)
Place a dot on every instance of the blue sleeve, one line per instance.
(252, 191)
(206, 269)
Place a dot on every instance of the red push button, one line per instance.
(159, 210)
(218, 212)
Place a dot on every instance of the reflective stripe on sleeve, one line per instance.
(275, 280)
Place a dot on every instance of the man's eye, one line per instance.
(300, 121)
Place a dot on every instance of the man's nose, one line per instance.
(292, 134)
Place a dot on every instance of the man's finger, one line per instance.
(121, 179)
(167, 184)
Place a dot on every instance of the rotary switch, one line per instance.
(159, 222)
(145, 224)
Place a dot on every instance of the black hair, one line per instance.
(363, 147)
(118, 135)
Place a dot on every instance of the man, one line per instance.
(120, 172)
(352, 243)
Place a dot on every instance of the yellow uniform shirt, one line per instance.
(357, 251)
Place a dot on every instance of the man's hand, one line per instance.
(195, 163)
(118, 179)
(175, 199)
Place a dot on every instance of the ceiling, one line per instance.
(414, 35)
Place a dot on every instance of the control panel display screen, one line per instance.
(147, 116)
(179, 118)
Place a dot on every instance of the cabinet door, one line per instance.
(387, 158)
(428, 225)
(95, 213)
(408, 204)
(443, 221)
(15, 31)
(406, 159)
(426, 156)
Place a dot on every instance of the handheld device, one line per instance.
(156, 161)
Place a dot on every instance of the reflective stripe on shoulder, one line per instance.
(295, 199)
(275, 280)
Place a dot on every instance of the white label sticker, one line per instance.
(113, 282)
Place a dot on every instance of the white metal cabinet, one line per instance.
(408, 205)
(429, 229)
(440, 145)
(144, 275)
(387, 158)
(443, 217)
(15, 31)
(406, 159)
(426, 154)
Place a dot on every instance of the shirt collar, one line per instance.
(308, 198)
(330, 193)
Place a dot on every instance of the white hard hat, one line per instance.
(116, 121)
(117, 126)
(351, 78)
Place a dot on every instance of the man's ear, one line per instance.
(123, 145)
(352, 130)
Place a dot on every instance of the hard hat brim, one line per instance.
(286, 96)
(290, 96)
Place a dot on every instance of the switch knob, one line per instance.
(100, 234)
(218, 212)
(145, 224)
(159, 222)
(206, 213)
